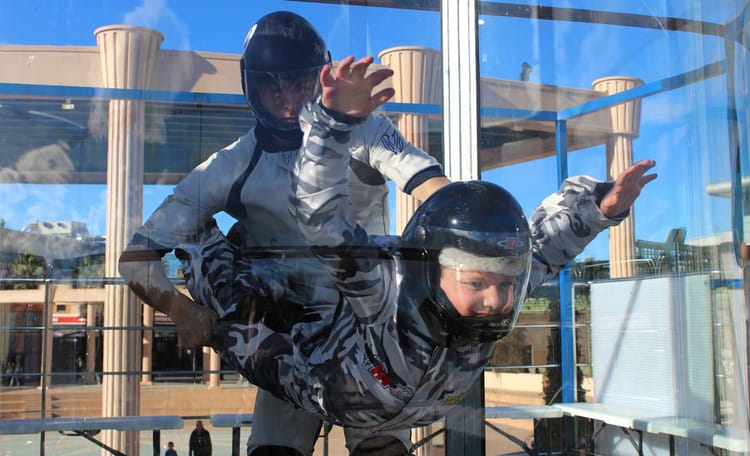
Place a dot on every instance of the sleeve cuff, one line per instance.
(339, 117)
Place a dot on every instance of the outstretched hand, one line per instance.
(350, 90)
(628, 186)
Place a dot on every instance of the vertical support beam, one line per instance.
(465, 430)
(567, 316)
(128, 57)
(464, 425)
(460, 89)
(567, 312)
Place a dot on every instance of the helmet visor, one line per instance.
(485, 290)
(481, 286)
(277, 98)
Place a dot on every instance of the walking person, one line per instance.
(200, 441)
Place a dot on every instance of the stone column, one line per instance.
(214, 364)
(128, 57)
(147, 346)
(49, 290)
(626, 120)
(416, 79)
(5, 322)
(91, 322)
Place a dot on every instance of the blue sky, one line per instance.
(677, 129)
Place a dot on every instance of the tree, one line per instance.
(512, 350)
(26, 266)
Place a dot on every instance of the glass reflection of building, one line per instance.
(72, 119)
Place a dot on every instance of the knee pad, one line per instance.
(381, 445)
(273, 450)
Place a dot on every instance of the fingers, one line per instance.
(359, 69)
(326, 78)
(636, 173)
(376, 77)
(342, 69)
(348, 87)
(646, 179)
(642, 167)
(348, 69)
(381, 97)
(627, 188)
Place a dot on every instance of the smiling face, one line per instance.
(478, 293)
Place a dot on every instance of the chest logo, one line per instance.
(393, 141)
(379, 373)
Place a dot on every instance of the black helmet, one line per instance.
(472, 225)
(281, 46)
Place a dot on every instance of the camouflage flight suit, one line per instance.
(365, 354)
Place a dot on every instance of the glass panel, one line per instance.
(84, 160)
(72, 143)
(682, 71)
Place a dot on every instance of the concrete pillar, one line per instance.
(147, 346)
(214, 379)
(91, 314)
(5, 322)
(626, 120)
(128, 57)
(416, 79)
(49, 308)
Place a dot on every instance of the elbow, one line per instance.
(124, 267)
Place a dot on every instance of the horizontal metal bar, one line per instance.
(652, 88)
(121, 94)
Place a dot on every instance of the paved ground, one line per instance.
(56, 444)
(237, 396)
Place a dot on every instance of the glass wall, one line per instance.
(564, 89)
(627, 82)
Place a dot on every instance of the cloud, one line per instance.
(156, 14)
(47, 164)
(46, 202)
(95, 214)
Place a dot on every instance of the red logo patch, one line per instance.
(510, 243)
(378, 371)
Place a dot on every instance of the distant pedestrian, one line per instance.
(15, 377)
(10, 368)
(200, 441)
(80, 370)
(170, 450)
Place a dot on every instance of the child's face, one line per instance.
(478, 293)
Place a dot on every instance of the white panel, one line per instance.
(652, 349)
